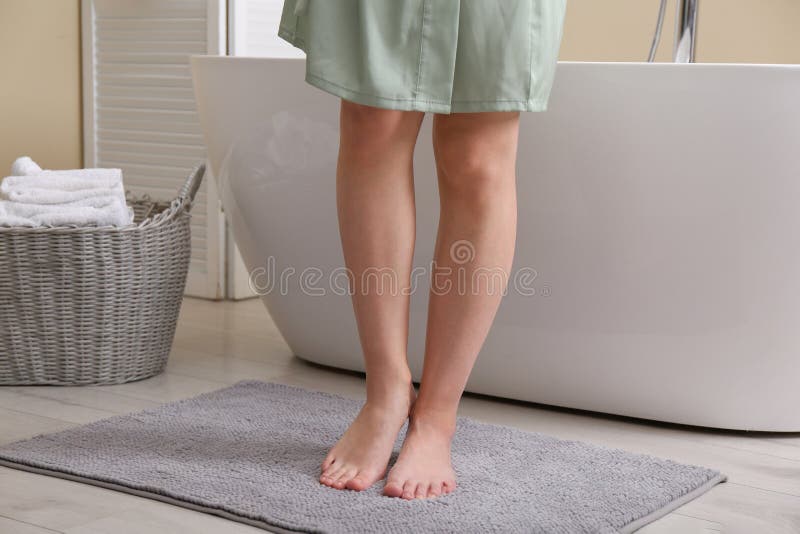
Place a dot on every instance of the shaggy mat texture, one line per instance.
(251, 452)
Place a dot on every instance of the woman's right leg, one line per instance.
(375, 200)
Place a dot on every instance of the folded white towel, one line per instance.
(7, 219)
(41, 195)
(67, 180)
(92, 202)
(113, 213)
(24, 166)
(116, 204)
(80, 197)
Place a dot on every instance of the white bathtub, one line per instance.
(659, 205)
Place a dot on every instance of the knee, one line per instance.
(473, 169)
(369, 133)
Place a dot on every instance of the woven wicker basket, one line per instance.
(94, 305)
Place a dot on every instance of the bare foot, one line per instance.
(362, 454)
(423, 469)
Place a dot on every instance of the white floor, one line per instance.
(221, 343)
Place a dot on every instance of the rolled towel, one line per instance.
(113, 213)
(24, 166)
(67, 180)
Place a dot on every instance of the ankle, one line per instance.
(390, 388)
(433, 419)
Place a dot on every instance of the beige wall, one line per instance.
(40, 93)
(741, 31)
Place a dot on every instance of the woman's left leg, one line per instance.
(475, 160)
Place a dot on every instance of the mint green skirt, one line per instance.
(440, 56)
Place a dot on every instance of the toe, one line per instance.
(335, 471)
(329, 480)
(326, 463)
(330, 468)
(325, 477)
(409, 489)
(422, 491)
(393, 488)
(359, 482)
(333, 476)
(346, 476)
(448, 486)
(435, 490)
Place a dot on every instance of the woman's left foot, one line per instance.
(423, 469)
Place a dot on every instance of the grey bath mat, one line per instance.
(251, 452)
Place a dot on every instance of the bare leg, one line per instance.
(475, 157)
(375, 199)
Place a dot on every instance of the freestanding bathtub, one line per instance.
(659, 230)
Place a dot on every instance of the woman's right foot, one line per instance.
(361, 456)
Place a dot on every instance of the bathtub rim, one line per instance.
(613, 64)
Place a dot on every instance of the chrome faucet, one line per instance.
(685, 31)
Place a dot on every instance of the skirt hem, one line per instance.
(428, 106)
